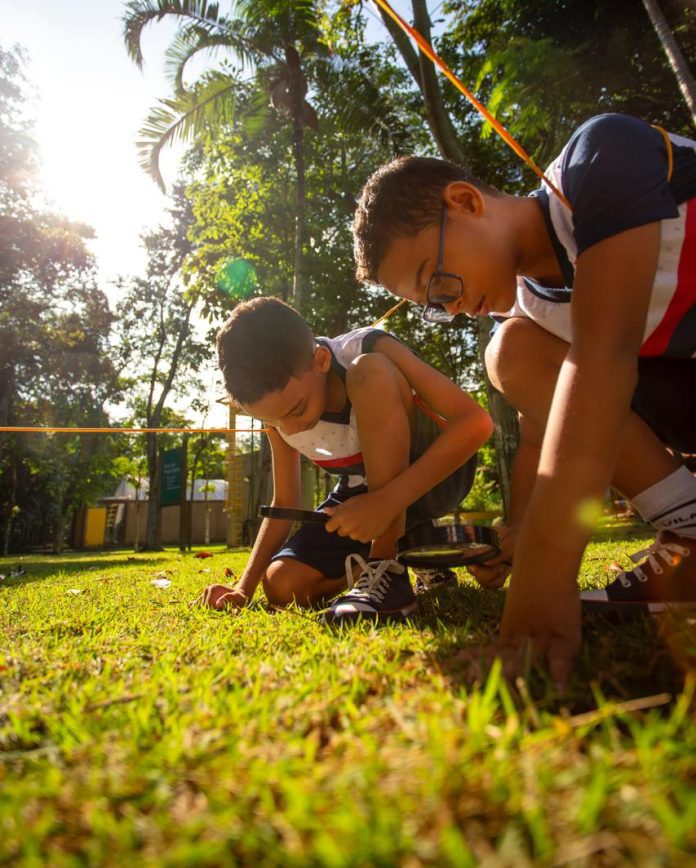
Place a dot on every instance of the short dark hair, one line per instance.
(399, 200)
(262, 345)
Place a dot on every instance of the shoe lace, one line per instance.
(427, 576)
(670, 552)
(373, 579)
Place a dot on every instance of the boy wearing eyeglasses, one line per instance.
(400, 437)
(595, 291)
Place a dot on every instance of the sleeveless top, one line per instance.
(334, 445)
(615, 171)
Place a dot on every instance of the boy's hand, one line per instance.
(363, 517)
(493, 573)
(540, 625)
(222, 597)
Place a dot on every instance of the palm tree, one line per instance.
(676, 59)
(282, 42)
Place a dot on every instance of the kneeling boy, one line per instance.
(401, 437)
(597, 349)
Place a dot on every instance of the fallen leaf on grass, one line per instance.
(161, 583)
(204, 571)
(73, 591)
(203, 555)
(615, 567)
(229, 573)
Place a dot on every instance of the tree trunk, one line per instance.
(506, 434)
(153, 532)
(685, 80)
(136, 540)
(9, 507)
(297, 92)
(426, 77)
(59, 526)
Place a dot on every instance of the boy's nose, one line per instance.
(452, 307)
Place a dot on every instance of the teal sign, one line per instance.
(170, 483)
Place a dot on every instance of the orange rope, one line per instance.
(390, 312)
(668, 148)
(426, 48)
(47, 430)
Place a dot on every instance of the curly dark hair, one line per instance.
(399, 200)
(262, 345)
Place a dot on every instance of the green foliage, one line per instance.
(137, 730)
(544, 68)
(55, 367)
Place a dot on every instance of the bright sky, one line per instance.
(91, 100)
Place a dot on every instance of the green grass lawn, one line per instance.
(136, 730)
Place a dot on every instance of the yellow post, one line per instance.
(95, 527)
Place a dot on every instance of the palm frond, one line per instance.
(359, 104)
(212, 103)
(139, 13)
(279, 22)
(255, 116)
(190, 42)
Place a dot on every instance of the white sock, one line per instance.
(670, 504)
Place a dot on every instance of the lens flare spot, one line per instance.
(588, 512)
(236, 278)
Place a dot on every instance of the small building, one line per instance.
(126, 514)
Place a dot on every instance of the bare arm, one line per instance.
(468, 427)
(273, 533)
(589, 409)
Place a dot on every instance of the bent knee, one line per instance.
(286, 581)
(519, 351)
(278, 584)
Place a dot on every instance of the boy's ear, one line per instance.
(322, 359)
(464, 197)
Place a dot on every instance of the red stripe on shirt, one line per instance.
(340, 462)
(685, 293)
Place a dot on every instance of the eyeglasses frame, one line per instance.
(434, 311)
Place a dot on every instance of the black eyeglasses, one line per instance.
(443, 287)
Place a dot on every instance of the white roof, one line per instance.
(126, 491)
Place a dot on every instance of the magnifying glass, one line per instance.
(291, 514)
(447, 545)
(425, 545)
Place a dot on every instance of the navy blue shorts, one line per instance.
(327, 552)
(316, 547)
(665, 398)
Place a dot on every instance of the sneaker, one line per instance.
(434, 579)
(666, 578)
(382, 592)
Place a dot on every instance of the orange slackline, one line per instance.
(426, 48)
(390, 312)
(41, 430)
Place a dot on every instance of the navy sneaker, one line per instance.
(434, 579)
(664, 579)
(382, 592)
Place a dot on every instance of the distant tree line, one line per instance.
(283, 129)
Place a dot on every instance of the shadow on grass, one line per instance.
(40, 567)
(620, 658)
